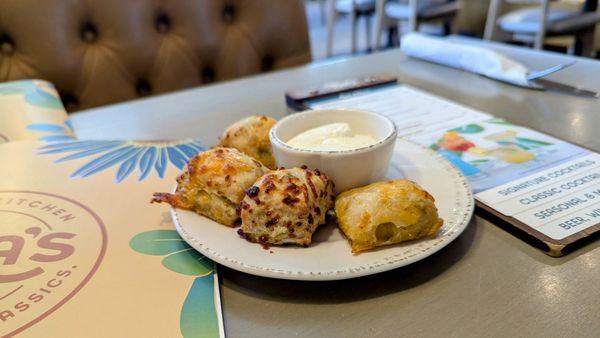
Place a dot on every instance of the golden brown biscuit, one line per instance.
(214, 183)
(286, 206)
(385, 213)
(251, 136)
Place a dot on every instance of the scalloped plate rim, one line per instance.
(455, 231)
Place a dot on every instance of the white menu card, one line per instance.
(548, 187)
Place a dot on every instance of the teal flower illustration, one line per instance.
(468, 129)
(41, 94)
(126, 155)
(57, 132)
(501, 121)
(199, 317)
(38, 93)
(526, 143)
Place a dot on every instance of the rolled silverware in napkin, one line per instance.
(466, 57)
(488, 63)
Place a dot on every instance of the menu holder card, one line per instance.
(559, 206)
(543, 187)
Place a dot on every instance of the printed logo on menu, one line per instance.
(50, 247)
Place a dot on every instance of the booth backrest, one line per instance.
(98, 52)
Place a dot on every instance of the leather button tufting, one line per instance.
(109, 51)
(228, 13)
(266, 63)
(7, 45)
(142, 87)
(69, 101)
(207, 75)
(89, 32)
(163, 23)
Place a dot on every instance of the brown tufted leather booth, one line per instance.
(104, 51)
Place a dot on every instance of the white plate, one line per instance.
(329, 257)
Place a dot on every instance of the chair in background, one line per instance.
(322, 9)
(101, 52)
(532, 24)
(414, 12)
(355, 9)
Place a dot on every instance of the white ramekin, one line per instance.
(347, 168)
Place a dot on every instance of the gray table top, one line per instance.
(487, 282)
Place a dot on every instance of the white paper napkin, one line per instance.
(470, 58)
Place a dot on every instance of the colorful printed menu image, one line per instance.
(494, 152)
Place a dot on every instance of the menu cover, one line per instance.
(546, 187)
(82, 251)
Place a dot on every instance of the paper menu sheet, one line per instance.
(82, 251)
(413, 111)
(493, 153)
(488, 150)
